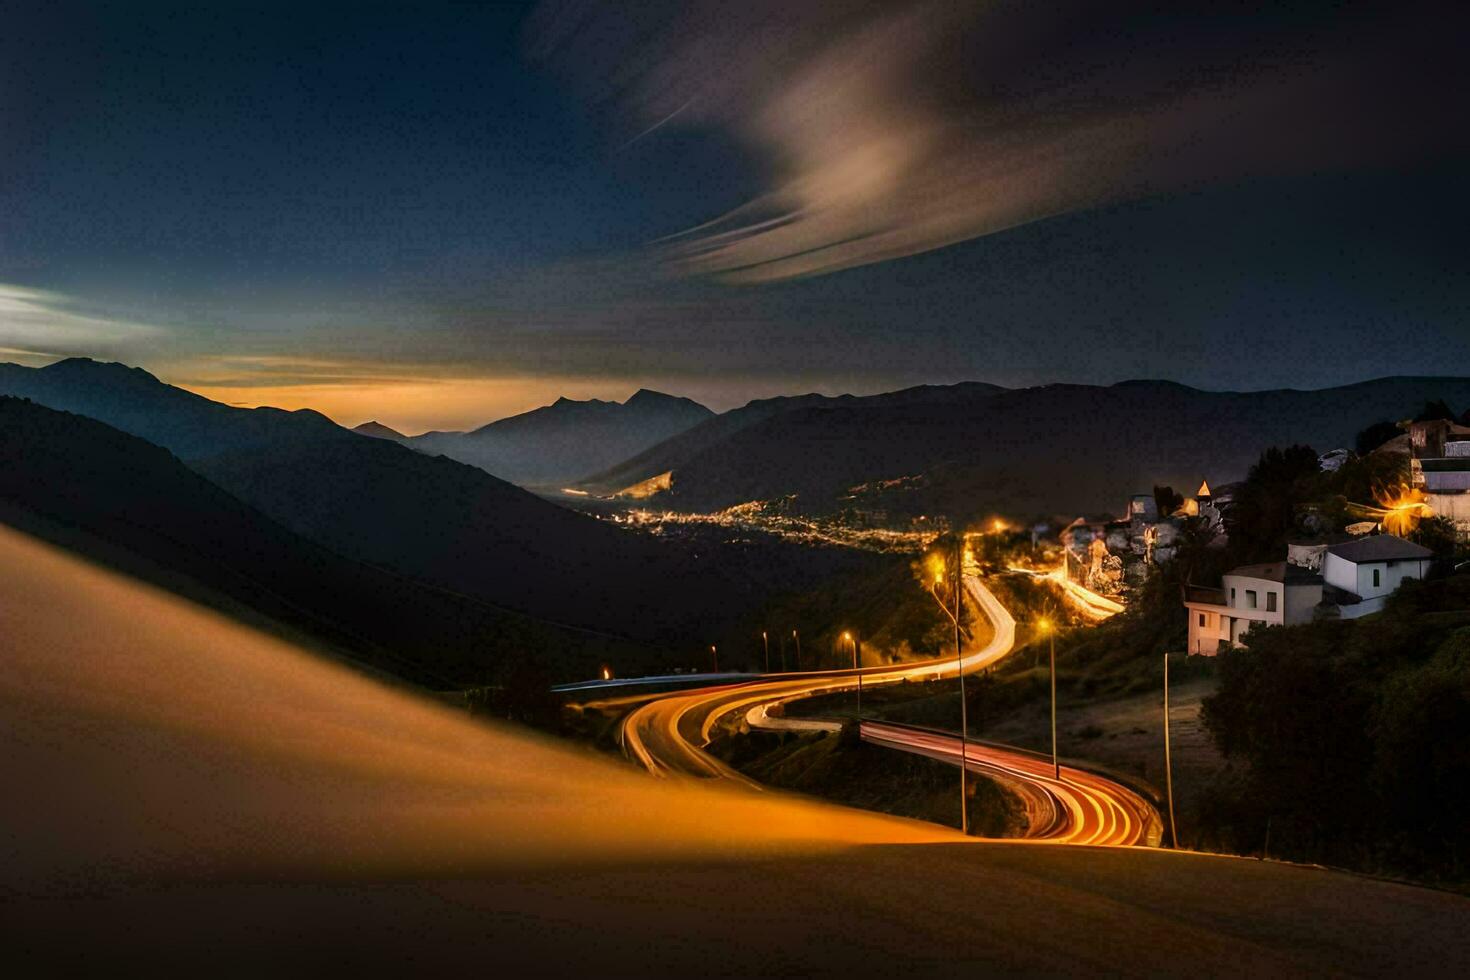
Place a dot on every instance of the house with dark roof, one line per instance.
(1355, 578)
(1371, 569)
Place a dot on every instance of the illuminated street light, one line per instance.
(766, 643)
(797, 639)
(857, 666)
(1045, 626)
(607, 673)
(716, 655)
(936, 566)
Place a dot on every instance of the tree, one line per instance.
(1374, 436)
(1264, 512)
(1435, 410)
(1167, 500)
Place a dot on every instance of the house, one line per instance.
(1440, 466)
(1355, 579)
(1367, 571)
(1274, 594)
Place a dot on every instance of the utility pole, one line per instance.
(1056, 766)
(1168, 762)
(798, 649)
(765, 642)
(1045, 625)
(959, 581)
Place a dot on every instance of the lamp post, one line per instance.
(960, 671)
(856, 666)
(1169, 765)
(766, 643)
(716, 655)
(1046, 627)
(797, 640)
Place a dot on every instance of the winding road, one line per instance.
(668, 736)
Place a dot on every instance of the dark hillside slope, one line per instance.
(554, 445)
(1054, 449)
(675, 452)
(129, 503)
(135, 401)
(380, 502)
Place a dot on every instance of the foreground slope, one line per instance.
(1047, 450)
(196, 795)
(114, 496)
(553, 445)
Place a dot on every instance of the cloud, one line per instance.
(36, 323)
(896, 127)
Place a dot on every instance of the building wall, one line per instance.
(1359, 579)
(1301, 603)
(1456, 507)
(1239, 599)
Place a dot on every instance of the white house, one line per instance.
(1370, 569)
(1355, 579)
(1273, 594)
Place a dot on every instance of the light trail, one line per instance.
(667, 736)
(1090, 604)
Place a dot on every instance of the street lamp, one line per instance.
(857, 666)
(716, 655)
(960, 670)
(766, 643)
(1045, 626)
(797, 639)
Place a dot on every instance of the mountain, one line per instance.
(674, 452)
(135, 401)
(553, 445)
(133, 505)
(378, 430)
(1051, 449)
(378, 502)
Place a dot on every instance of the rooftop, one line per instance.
(1278, 571)
(1379, 547)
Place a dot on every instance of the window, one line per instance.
(1250, 600)
(1232, 595)
(1201, 620)
(1270, 602)
(1377, 580)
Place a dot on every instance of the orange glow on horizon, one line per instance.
(413, 406)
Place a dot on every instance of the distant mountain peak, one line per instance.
(647, 396)
(378, 430)
(100, 369)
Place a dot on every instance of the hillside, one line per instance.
(673, 453)
(133, 505)
(554, 445)
(379, 502)
(1045, 450)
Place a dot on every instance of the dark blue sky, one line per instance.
(406, 207)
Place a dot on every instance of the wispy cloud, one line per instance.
(39, 324)
(896, 127)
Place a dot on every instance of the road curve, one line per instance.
(667, 736)
(1080, 807)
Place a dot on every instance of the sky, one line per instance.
(438, 215)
